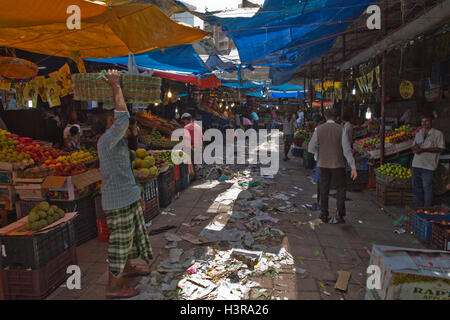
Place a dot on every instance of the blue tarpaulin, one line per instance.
(180, 59)
(287, 34)
(215, 63)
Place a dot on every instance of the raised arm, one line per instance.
(121, 115)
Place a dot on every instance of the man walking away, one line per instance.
(333, 146)
(428, 144)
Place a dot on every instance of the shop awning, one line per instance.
(41, 26)
(288, 34)
(179, 58)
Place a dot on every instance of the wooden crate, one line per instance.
(391, 197)
(3, 218)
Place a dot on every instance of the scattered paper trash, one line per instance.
(342, 281)
(172, 237)
(399, 231)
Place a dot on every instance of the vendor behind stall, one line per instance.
(71, 136)
(133, 135)
(428, 144)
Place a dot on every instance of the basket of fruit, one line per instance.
(394, 176)
(300, 136)
(144, 167)
(136, 88)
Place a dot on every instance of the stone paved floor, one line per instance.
(322, 252)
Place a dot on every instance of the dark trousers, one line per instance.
(423, 187)
(325, 176)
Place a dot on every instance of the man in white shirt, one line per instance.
(72, 135)
(428, 144)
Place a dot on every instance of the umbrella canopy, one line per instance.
(106, 31)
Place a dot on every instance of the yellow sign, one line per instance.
(406, 89)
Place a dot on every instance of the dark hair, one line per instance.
(331, 113)
(100, 124)
(74, 130)
(132, 120)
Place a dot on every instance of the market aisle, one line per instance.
(300, 259)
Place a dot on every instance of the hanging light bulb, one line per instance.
(156, 104)
(232, 105)
(30, 104)
(353, 91)
(368, 114)
(169, 94)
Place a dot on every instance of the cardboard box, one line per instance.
(72, 187)
(411, 274)
(30, 189)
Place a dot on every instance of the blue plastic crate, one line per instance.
(423, 226)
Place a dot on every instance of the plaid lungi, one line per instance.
(128, 237)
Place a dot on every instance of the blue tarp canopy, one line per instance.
(215, 63)
(287, 34)
(179, 59)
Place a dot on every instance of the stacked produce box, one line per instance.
(36, 251)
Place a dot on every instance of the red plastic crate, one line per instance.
(176, 172)
(38, 284)
(102, 230)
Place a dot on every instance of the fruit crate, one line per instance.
(38, 284)
(23, 207)
(7, 193)
(36, 249)
(410, 213)
(166, 188)
(391, 196)
(85, 222)
(398, 183)
(149, 190)
(184, 176)
(423, 225)
(440, 237)
(151, 209)
(102, 230)
(371, 183)
(6, 177)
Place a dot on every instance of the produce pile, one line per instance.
(155, 139)
(166, 156)
(399, 135)
(396, 171)
(11, 152)
(151, 121)
(43, 215)
(301, 134)
(72, 164)
(437, 217)
(144, 165)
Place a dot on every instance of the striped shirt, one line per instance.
(119, 188)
